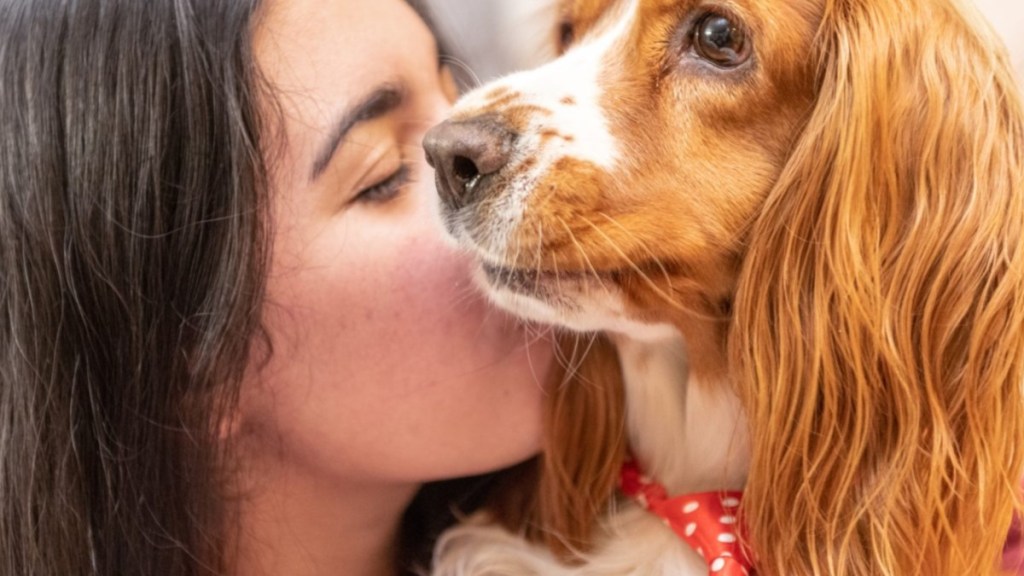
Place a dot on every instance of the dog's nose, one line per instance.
(464, 153)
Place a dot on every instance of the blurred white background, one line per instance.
(1008, 18)
(494, 37)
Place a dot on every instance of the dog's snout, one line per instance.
(464, 153)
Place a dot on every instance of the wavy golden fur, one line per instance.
(878, 340)
(876, 313)
(585, 447)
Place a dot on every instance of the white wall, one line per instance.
(495, 37)
(498, 36)
(1007, 16)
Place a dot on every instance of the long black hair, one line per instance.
(133, 252)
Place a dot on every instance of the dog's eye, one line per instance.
(719, 41)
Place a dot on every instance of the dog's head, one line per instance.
(827, 198)
(613, 188)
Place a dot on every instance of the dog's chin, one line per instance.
(581, 302)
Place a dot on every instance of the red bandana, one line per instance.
(706, 521)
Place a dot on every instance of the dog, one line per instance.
(799, 225)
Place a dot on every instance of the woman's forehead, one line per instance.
(312, 42)
(321, 56)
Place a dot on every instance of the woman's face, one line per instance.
(386, 364)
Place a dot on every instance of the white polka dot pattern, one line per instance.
(707, 521)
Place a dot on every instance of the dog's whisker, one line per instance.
(669, 299)
(642, 245)
(581, 356)
(572, 362)
(530, 340)
(458, 64)
(586, 352)
(540, 246)
(582, 253)
(558, 277)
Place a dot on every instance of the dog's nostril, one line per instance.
(464, 153)
(464, 169)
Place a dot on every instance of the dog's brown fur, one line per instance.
(836, 230)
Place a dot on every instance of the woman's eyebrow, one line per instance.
(381, 100)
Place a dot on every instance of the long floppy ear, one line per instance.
(558, 498)
(585, 445)
(879, 331)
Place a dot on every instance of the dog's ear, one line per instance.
(585, 445)
(879, 330)
(557, 499)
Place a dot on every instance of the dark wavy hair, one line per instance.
(134, 242)
(133, 253)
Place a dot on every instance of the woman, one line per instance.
(234, 339)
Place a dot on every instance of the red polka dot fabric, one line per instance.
(707, 521)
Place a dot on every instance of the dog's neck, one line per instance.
(689, 435)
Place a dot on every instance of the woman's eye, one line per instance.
(386, 189)
(721, 42)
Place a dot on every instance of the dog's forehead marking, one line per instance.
(572, 89)
(566, 119)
